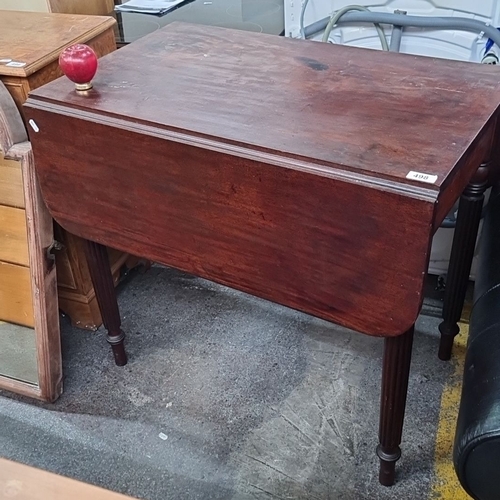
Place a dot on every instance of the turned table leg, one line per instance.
(395, 373)
(462, 253)
(100, 273)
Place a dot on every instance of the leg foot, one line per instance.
(462, 253)
(387, 472)
(118, 348)
(448, 333)
(100, 272)
(395, 374)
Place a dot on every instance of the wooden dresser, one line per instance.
(30, 44)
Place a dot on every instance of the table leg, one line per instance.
(100, 272)
(462, 253)
(395, 373)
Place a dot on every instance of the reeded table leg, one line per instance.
(462, 253)
(98, 261)
(395, 373)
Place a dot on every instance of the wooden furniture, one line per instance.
(312, 175)
(30, 44)
(27, 483)
(34, 41)
(89, 7)
(27, 268)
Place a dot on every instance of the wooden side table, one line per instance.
(295, 171)
(30, 44)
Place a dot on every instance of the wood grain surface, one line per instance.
(16, 304)
(13, 236)
(271, 165)
(367, 111)
(27, 483)
(43, 278)
(307, 240)
(37, 38)
(11, 183)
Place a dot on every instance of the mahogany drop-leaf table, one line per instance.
(308, 174)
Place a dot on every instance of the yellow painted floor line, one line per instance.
(445, 484)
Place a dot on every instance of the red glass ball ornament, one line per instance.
(79, 63)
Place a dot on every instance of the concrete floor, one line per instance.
(226, 397)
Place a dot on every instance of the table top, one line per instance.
(31, 40)
(377, 114)
(264, 16)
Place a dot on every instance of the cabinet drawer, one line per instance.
(16, 305)
(13, 236)
(11, 183)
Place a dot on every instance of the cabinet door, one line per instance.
(30, 347)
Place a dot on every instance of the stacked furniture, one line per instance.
(34, 41)
(30, 44)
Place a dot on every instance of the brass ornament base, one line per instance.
(83, 86)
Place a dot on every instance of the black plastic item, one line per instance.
(476, 452)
